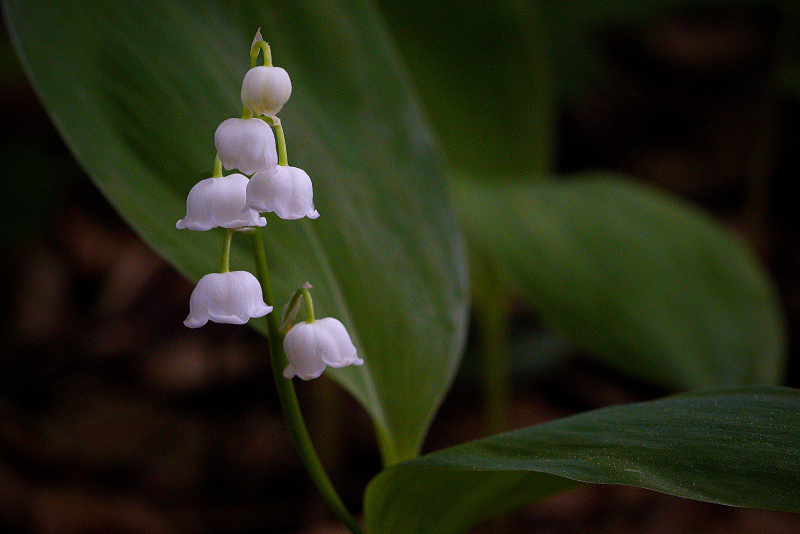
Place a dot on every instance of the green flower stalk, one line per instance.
(288, 398)
(257, 147)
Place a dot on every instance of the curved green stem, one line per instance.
(217, 167)
(309, 305)
(288, 396)
(260, 45)
(280, 140)
(225, 262)
(293, 306)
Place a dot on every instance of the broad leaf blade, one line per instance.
(137, 89)
(484, 74)
(645, 282)
(740, 448)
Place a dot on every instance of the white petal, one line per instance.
(247, 145)
(304, 345)
(345, 353)
(217, 202)
(311, 346)
(233, 297)
(266, 89)
(290, 371)
(287, 191)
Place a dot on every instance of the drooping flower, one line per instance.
(247, 145)
(287, 191)
(233, 297)
(217, 202)
(312, 346)
(266, 89)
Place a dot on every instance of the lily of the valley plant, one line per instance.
(641, 281)
(255, 146)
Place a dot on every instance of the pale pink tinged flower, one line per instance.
(310, 347)
(247, 145)
(217, 202)
(233, 297)
(266, 89)
(287, 191)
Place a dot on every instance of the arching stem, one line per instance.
(288, 396)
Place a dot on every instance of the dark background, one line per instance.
(116, 418)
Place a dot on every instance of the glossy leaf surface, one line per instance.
(739, 447)
(137, 90)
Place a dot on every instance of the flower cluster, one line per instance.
(254, 146)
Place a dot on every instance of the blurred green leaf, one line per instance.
(642, 281)
(493, 73)
(484, 74)
(37, 167)
(137, 89)
(740, 448)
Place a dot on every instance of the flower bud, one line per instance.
(265, 90)
(287, 191)
(217, 202)
(247, 145)
(233, 297)
(311, 346)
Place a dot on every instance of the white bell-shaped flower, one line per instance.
(287, 191)
(233, 297)
(312, 346)
(217, 202)
(247, 145)
(266, 89)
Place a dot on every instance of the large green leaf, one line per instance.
(740, 448)
(483, 71)
(137, 89)
(645, 282)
